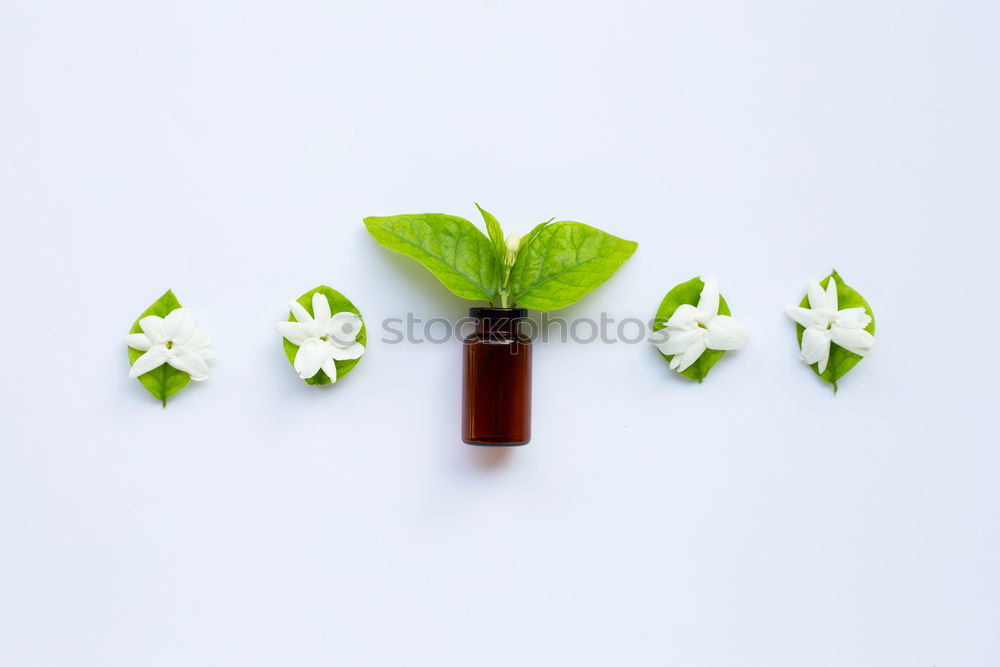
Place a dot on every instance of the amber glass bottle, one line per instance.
(496, 379)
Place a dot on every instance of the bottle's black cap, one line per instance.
(498, 313)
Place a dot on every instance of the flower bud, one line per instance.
(513, 244)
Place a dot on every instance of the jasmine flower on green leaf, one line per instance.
(174, 340)
(322, 338)
(693, 329)
(824, 324)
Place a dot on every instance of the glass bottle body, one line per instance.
(496, 379)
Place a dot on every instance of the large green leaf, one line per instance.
(338, 304)
(563, 262)
(452, 248)
(495, 232)
(841, 361)
(689, 292)
(529, 238)
(163, 381)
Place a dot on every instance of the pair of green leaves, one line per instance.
(841, 361)
(555, 264)
(689, 293)
(165, 380)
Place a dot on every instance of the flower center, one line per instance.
(170, 344)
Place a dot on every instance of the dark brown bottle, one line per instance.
(496, 379)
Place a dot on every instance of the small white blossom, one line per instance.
(322, 338)
(693, 329)
(173, 340)
(513, 244)
(825, 324)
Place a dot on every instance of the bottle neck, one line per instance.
(498, 321)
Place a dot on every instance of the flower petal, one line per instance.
(708, 303)
(684, 317)
(816, 347)
(352, 351)
(725, 333)
(297, 333)
(831, 294)
(678, 340)
(154, 327)
(321, 307)
(690, 355)
(659, 337)
(343, 328)
(179, 324)
(852, 318)
(299, 312)
(857, 341)
(196, 341)
(807, 317)
(330, 368)
(310, 357)
(191, 363)
(817, 297)
(138, 341)
(154, 358)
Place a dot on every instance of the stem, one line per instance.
(163, 381)
(505, 300)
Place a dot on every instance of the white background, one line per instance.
(230, 150)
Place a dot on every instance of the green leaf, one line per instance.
(452, 248)
(528, 238)
(689, 292)
(563, 262)
(338, 304)
(495, 232)
(841, 361)
(163, 381)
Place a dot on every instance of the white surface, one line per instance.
(229, 151)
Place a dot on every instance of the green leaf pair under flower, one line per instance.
(551, 267)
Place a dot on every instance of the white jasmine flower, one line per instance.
(693, 329)
(513, 244)
(174, 340)
(825, 324)
(322, 338)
